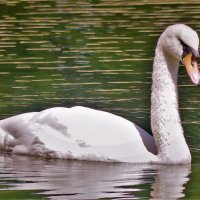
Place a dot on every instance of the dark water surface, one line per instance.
(95, 53)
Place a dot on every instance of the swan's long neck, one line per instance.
(165, 119)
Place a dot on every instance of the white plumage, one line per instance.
(87, 134)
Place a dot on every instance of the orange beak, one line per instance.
(192, 68)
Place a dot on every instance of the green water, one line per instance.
(94, 53)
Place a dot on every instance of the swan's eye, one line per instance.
(187, 50)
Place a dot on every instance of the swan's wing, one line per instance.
(79, 133)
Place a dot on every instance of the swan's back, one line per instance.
(77, 133)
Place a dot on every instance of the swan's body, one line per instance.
(87, 134)
(78, 133)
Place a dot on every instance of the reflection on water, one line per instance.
(59, 179)
(169, 182)
(98, 54)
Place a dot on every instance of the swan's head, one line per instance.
(182, 43)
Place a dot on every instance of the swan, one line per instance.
(86, 134)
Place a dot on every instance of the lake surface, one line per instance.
(94, 53)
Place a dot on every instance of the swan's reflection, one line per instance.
(169, 181)
(92, 180)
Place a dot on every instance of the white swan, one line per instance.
(87, 134)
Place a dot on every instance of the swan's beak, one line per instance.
(192, 68)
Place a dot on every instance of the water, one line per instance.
(98, 54)
(92, 180)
